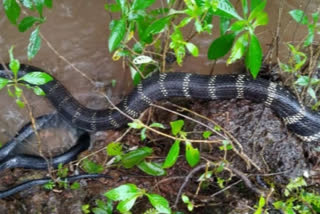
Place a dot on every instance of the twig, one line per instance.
(186, 180)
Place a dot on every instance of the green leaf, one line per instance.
(220, 46)
(103, 207)
(12, 10)
(308, 41)
(38, 91)
(185, 198)
(17, 91)
(245, 7)
(254, 56)
(157, 125)
(114, 149)
(34, 44)
(220, 182)
(123, 6)
(198, 26)
(226, 9)
(298, 56)
(27, 22)
(85, 208)
(133, 158)
(172, 155)
(262, 19)
(184, 22)
(62, 171)
(142, 59)
(177, 44)
(150, 168)
(123, 192)
(126, 205)
(238, 49)
(254, 4)
(48, 3)
(141, 4)
(49, 186)
(294, 184)
(192, 154)
(20, 103)
(91, 167)
(224, 25)
(138, 47)
(135, 75)
(299, 16)
(206, 134)
(136, 124)
(192, 49)
(157, 26)
(176, 126)
(14, 64)
(75, 186)
(3, 82)
(36, 78)
(27, 3)
(117, 34)
(239, 26)
(205, 176)
(312, 93)
(160, 203)
(112, 7)
(217, 128)
(39, 6)
(226, 145)
(303, 81)
(257, 10)
(143, 135)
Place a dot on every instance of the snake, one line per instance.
(299, 119)
(11, 155)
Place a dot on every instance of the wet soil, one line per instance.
(265, 140)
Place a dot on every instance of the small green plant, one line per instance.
(261, 204)
(192, 154)
(304, 81)
(313, 26)
(127, 195)
(103, 207)
(61, 181)
(298, 199)
(187, 201)
(91, 167)
(135, 158)
(138, 34)
(247, 43)
(49, 186)
(85, 208)
(12, 9)
(30, 80)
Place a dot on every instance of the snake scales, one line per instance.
(299, 119)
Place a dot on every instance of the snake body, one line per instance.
(299, 119)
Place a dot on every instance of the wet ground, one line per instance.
(265, 141)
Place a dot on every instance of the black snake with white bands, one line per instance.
(298, 118)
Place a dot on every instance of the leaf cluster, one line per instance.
(13, 10)
(30, 80)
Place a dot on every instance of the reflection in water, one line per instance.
(78, 30)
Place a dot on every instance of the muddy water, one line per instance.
(78, 31)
